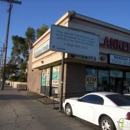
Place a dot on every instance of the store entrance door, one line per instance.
(116, 85)
(119, 85)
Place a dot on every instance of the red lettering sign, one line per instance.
(116, 44)
(106, 42)
(119, 45)
(113, 43)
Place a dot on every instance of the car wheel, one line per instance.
(68, 110)
(106, 123)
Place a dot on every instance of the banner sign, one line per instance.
(68, 40)
(41, 49)
(120, 60)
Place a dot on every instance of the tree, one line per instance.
(23, 66)
(17, 55)
(10, 69)
(41, 31)
(20, 50)
(30, 37)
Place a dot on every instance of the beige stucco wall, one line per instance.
(34, 77)
(14, 84)
(34, 81)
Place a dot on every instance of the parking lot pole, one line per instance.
(62, 81)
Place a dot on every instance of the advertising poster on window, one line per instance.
(46, 77)
(55, 76)
(43, 78)
(91, 83)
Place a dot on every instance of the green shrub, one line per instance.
(22, 80)
(13, 78)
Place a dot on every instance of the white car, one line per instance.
(106, 109)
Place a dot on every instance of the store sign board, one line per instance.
(74, 41)
(42, 48)
(102, 58)
(116, 44)
(120, 60)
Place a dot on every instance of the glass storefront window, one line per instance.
(91, 80)
(103, 80)
(116, 73)
(45, 77)
(45, 81)
(126, 88)
(128, 75)
(116, 81)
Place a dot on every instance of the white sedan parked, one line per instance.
(106, 109)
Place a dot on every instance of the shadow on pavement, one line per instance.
(43, 99)
(13, 97)
(5, 95)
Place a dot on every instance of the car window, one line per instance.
(95, 99)
(100, 101)
(119, 100)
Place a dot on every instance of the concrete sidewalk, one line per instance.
(19, 111)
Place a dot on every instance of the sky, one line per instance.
(35, 13)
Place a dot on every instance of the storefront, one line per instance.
(110, 80)
(50, 81)
(82, 74)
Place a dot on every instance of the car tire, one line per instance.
(68, 110)
(106, 123)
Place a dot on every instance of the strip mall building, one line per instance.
(82, 74)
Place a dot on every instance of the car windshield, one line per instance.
(119, 100)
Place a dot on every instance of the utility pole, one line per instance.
(1, 62)
(7, 34)
(1, 59)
